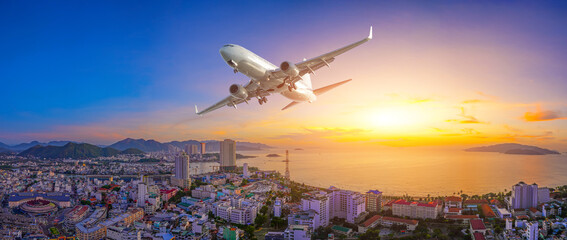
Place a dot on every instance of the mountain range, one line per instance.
(141, 144)
(74, 151)
(23, 146)
(155, 146)
(513, 148)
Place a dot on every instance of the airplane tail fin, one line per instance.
(318, 91)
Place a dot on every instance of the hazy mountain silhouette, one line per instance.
(513, 148)
(154, 146)
(74, 151)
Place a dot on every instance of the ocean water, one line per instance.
(413, 171)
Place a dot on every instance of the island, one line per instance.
(299, 149)
(273, 155)
(513, 148)
(240, 156)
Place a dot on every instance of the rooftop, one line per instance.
(478, 236)
(477, 224)
(462, 217)
(453, 199)
(487, 211)
(341, 229)
(455, 210)
(400, 220)
(420, 204)
(371, 220)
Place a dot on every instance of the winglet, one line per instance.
(370, 34)
(196, 110)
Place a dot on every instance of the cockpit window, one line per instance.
(229, 45)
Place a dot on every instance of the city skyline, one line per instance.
(434, 75)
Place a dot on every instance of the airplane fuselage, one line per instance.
(258, 70)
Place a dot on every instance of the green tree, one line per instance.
(264, 210)
(260, 220)
(249, 231)
(370, 234)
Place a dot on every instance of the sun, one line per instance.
(399, 118)
(390, 117)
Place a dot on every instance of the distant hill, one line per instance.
(181, 145)
(4, 146)
(23, 146)
(513, 148)
(72, 150)
(5, 150)
(141, 144)
(132, 151)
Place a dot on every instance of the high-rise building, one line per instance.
(346, 204)
(524, 196)
(403, 208)
(278, 208)
(338, 203)
(543, 195)
(203, 149)
(532, 230)
(373, 201)
(320, 202)
(142, 192)
(245, 173)
(228, 155)
(191, 149)
(297, 232)
(182, 176)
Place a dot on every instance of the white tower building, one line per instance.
(532, 231)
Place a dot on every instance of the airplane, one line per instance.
(293, 81)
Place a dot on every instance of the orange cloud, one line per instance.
(542, 115)
(470, 101)
(467, 118)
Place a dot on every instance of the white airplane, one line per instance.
(293, 81)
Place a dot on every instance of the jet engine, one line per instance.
(238, 91)
(289, 69)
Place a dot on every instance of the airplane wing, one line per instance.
(310, 65)
(253, 91)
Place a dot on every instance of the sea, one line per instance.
(410, 171)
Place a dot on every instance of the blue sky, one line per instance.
(132, 67)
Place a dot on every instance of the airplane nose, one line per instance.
(224, 53)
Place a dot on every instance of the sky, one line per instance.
(436, 73)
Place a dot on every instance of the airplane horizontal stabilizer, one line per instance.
(290, 105)
(327, 88)
(318, 92)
